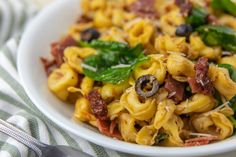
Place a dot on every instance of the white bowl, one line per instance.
(49, 26)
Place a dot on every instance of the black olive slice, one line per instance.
(184, 30)
(89, 34)
(146, 86)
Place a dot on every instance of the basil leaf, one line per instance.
(197, 17)
(218, 97)
(215, 4)
(110, 45)
(232, 103)
(232, 119)
(231, 69)
(114, 61)
(225, 5)
(218, 36)
(161, 137)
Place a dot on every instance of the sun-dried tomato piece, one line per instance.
(109, 128)
(57, 48)
(84, 19)
(185, 6)
(175, 89)
(48, 65)
(144, 8)
(198, 141)
(201, 83)
(98, 105)
(211, 19)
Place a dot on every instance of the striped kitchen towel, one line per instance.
(15, 105)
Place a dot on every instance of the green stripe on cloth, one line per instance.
(33, 124)
(100, 151)
(16, 86)
(12, 18)
(7, 52)
(31, 154)
(51, 137)
(0, 19)
(9, 148)
(14, 102)
(23, 18)
(34, 127)
(4, 115)
(21, 93)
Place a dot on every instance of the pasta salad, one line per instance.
(151, 72)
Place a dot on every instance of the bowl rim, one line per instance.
(102, 140)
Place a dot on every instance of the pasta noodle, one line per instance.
(197, 103)
(155, 67)
(146, 136)
(228, 60)
(224, 125)
(114, 109)
(141, 32)
(139, 110)
(170, 20)
(222, 81)
(61, 79)
(173, 128)
(166, 43)
(127, 129)
(179, 67)
(74, 56)
(164, 112)
(150, 72)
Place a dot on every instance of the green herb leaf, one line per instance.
(218, 97)
(216, 4)
(218, 36)
(232, 103)
(114, 61)
(160, 137)
(225, 5)
(231, 69)
(232, 119)
(109, 45)
(197, 17)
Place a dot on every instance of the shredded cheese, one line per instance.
(200, 134)
(120, 66)
(171, 94)
(89, 67)
(217, 109)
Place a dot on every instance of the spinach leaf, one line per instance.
(197, 17)
(225, 5)
(232, 103)
(231, 69)
(218, 36)
(160, 137)
(216, 4)
(114, 61)
(232, 119)
(218, 97)
(110, 45)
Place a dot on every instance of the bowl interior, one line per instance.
(49, 26)
(49, 29)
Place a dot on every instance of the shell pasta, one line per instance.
(150, 72)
